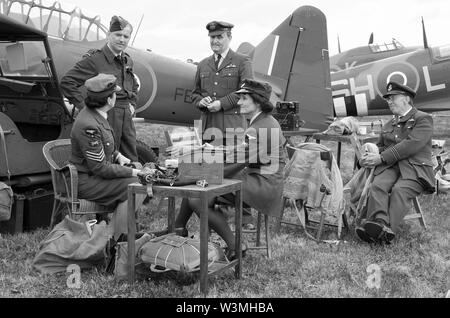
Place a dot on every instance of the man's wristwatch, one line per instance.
(382, 159)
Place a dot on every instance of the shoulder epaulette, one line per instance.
(91, 52)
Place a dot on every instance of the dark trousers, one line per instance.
(121, 121)
(390, 196)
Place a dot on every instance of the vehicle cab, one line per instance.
(32, 110)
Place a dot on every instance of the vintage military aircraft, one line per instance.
(368, 53)
(296, 74)
(359, 76)
(39, 43)
(358, 90)
(293, 58)
(372, 52)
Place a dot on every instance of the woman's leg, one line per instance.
(184, 215)
(216, 221)
(119, 219)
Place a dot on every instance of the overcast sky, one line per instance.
(176, 28)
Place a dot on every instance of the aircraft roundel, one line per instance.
(400, 72)
(138, 81)
(148, 85)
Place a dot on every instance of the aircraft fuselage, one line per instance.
(358, 91)
(165, 84)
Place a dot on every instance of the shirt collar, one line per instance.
(112, 52)
(102, 113)
(224, 54)
(407, 112)
(254, 117)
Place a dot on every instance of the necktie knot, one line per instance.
(218, 60)
(119, 58)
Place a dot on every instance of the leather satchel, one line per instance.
(173, 252)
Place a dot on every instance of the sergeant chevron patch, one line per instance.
(99, 157)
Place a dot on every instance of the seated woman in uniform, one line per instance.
(102, 174)
(259, 163)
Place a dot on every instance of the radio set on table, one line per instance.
(287, 115)
(287, 107)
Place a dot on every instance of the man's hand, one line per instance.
(71, 108)
(132, 110)
(215, 106)
(204, 103)
(370, 159)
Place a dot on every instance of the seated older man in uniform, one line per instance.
(403, 166)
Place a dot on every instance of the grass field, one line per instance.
(416, 265)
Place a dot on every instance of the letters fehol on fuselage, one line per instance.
(358, 91)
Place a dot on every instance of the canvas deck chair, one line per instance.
(313, 183)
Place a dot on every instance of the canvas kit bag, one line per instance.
(173, 252)
(6, 201)
(119, 262)
(72, 242)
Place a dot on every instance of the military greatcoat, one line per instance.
(407, 142)
(405, 145)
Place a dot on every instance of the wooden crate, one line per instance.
(211, 172)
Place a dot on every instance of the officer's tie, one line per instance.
(218, 61)
(396, 119)
(119, 59)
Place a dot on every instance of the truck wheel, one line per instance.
(145, 153)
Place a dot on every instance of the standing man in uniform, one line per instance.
(217, 79)
(403, 166)
(111, 59)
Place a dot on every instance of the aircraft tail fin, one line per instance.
(294, 59)
(247, 49)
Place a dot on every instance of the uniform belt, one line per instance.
(122, 103)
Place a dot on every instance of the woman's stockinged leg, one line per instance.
(184, 215)
(216, 221)
(119, 219)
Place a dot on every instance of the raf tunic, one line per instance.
(220, 84)
(262, 173)
(94, 154)
(119, 117)
(405, 145)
